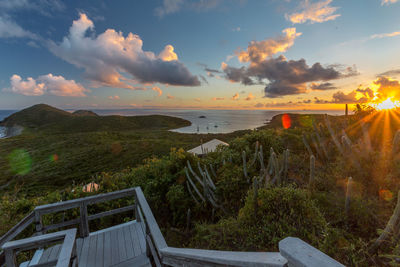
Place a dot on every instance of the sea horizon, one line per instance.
(203, 121)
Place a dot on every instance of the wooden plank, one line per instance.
(121, 245)
(75, 203)
(300, 253)
(18, 228)
(100, 250)
(114, 248)
(79, 243)
(60, 225)
(110, 212)
(46, 255)
(54, 252)
(107, 249)
(84, 252)
(154, 229)
(84, 223)
(135, 240)
(128, 242)
(202, 257)
(64, 257)
(36, 241)
(112, 228)
(36, 257)
(141, 237)
(92, 251)
(153, 251)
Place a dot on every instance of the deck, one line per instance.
(138, 242)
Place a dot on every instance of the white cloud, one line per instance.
(109, 54)
(157, 89)
(385, 35)
(258, 51)
(388, 2)
(320, 11)
(10, 29)
(46, 84)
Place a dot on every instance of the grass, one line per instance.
(58, 148)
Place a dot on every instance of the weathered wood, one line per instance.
(151, 222)
(299, 253)
(200, 257)
(75, 203)
(153, 251)
(91, 259)
(38, 223)
(99, 250)
(17, 229)
(68, 237)
(121, 245)
(84, 223)
(110, 212)
(135, 240)
(107, 249)
(60, 225)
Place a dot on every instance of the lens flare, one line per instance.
(286, 121)
(386, 104)
(54, 158)
(20, 162)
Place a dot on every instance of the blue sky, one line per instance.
(230, 54)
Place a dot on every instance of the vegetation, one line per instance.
(312, 197)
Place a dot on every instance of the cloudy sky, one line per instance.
(213, 54)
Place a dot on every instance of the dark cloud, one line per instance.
(203, 79)
(322, 86)
(390, 73)
(286, 77)
(320, 101)
(350, 98)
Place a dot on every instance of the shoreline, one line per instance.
(11, 131)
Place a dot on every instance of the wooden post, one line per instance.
(347, 110)
(10, 258)
(39, 223)
(137, 209)
(84, 224)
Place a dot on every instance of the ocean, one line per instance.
(203, 121)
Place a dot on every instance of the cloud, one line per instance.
(322, 86)
(10, 29)
(170, 96)
(388, 2)
(235, 96)
(197, 99)
(116, 97)
(46, 84)
(157, 89)
(250, 97)
(109, 54)
(387, 88)
(319, 11)
(390, 73)
(321, 101)
(350, 98)
(45, 7)
(385, 35)
(259, 105)
(285, 77)
(217, 98)
(258, 51)
(173, 6)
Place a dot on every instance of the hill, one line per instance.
(49, 119)
(58, 148)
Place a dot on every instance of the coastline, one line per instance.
(11, 131)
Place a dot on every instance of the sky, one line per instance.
(199, 54)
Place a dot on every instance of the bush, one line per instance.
(281, 212)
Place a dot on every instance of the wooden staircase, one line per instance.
(138, 242)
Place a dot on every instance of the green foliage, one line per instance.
(281, 212)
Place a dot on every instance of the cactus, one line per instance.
(348, 195)
(245, 166)
(367, 139)
(319, 139)
(212, 170)
(194, 187)
(332, 133)
(193, 173)
(188, 220)
(255, 191)
(391, 227)
(307, 145)
(312, 170)
(255, 154)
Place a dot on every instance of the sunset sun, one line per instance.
(386, 104)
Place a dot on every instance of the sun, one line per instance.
(386, 104)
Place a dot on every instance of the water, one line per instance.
(203, 121)
(4, 114)
(214, 121)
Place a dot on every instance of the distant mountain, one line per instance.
(84, 113)
(50, 119)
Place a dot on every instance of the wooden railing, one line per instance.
(293, 251)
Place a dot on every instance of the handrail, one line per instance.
(155, 241)
(66, 253)
(202, 257)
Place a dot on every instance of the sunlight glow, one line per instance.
(386, 104)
